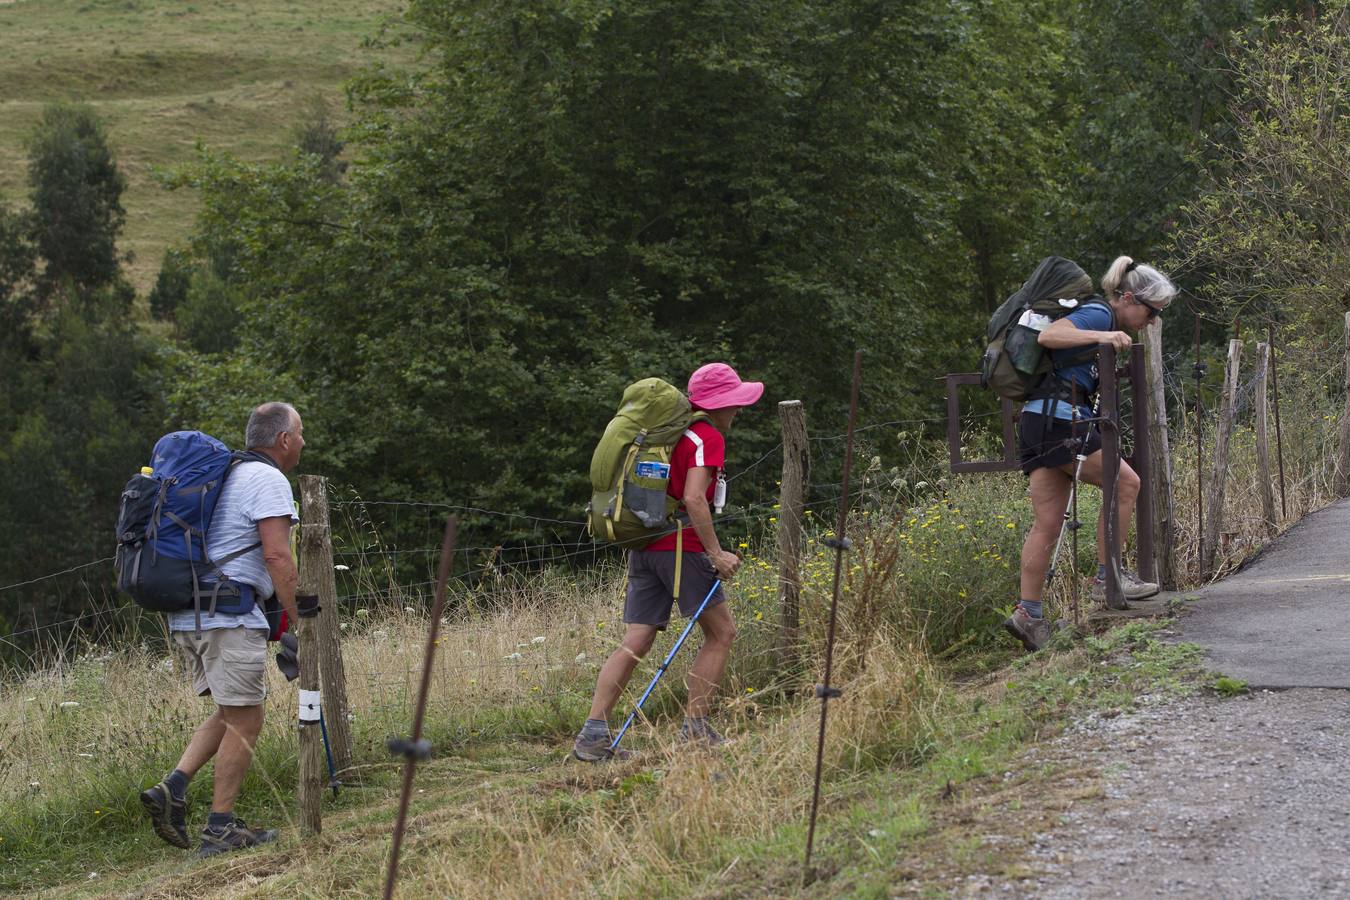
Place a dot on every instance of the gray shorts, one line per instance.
(230, 664)
(651, 583)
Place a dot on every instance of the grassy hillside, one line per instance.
(233, 74)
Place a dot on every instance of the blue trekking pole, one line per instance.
(328, 751)
(665, 665)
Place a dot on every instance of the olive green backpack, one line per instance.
(1015, 365)
(630, 469)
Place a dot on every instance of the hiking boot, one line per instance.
(704, 735)
(1033, 633)
(168, 814)
(596, 749)
(1131, 588)
(234, 836)
(1134, 587)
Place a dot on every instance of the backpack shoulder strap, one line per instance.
(253, 456)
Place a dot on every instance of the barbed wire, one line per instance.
(1174, 381)
(97, 562)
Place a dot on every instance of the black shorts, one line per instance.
(651, 586)
(1050, 443)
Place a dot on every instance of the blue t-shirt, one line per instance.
(1092, 317)
(253, 491)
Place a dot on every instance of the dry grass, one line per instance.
(515, 674)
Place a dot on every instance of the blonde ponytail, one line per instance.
(1146, 283)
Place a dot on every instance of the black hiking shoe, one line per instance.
(596, 749)
(168, 814)
(234, 836)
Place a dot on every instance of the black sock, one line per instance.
(219, 820)
(177, 784)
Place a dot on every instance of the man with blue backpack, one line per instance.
(216, 597)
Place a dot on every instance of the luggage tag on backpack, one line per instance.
(649, 468)
(720, 493)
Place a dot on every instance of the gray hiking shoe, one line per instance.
(1131, 588)
(168, 814)
(1033, 633)
(596, 749)
(234, 836)
(701, 733)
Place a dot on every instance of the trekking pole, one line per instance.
(1071, 522)
(614, 745)
(1076, 525)
(328, 751)
(840, 543)
(416, 748)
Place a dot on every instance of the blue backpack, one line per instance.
(162, 522)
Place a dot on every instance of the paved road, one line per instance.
(1284, 620)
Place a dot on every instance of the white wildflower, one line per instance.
(538, 640)
(341, 568)
(69, 704)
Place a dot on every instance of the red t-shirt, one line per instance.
(702, 445)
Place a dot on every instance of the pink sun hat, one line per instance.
(717, 386)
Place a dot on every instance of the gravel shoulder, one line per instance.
(1206, 797)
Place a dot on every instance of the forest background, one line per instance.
(518, 208)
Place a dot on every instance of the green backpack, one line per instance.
(630, 469)
(1015, 365)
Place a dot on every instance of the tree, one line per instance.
(1152, 86)
(80, 403)
(171, 284)
(1268, 237)
(316, 135)
(76, 197)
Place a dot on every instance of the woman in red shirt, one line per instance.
(696, 477)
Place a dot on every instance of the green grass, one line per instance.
(166, 74)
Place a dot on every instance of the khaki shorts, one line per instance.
(229, 664)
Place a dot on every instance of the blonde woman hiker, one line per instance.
(696, 467)
(1134, 294)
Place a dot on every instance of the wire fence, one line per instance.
(370, 569)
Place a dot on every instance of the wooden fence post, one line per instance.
(333, 675)
(312, 762)
(1343, 468)
(1145, 519)
(1160, 459)
(1275, 399)
(1264, 485)
(1109, 394)
(1209, 541)
(796, 477)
